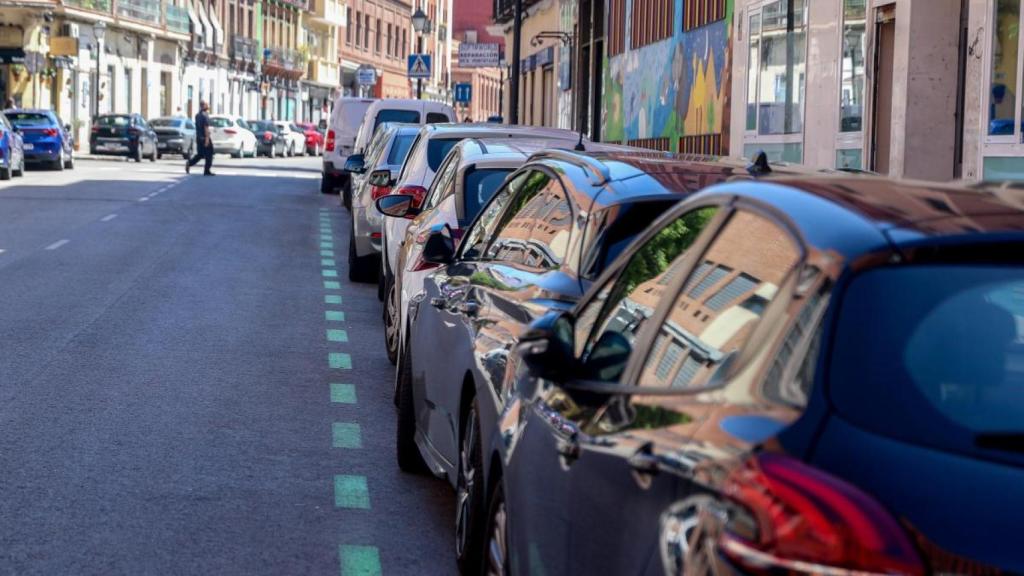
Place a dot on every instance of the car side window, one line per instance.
(481, 231)
(511, 241)
(417, 153)
(443, 182)
(549, 238)
(190, 125)
(711, 319)
(437, 118)
(607, 327)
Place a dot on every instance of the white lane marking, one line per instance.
(155, 193)
(144, 199)
(57, 244)
(108, 217)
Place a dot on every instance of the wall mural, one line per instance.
(678, 87)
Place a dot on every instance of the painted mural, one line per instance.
(675, 88)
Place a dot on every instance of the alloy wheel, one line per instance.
(497, 544)
(466, 486)
(391, 321)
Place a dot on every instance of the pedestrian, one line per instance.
(204, 148)
(10, 105)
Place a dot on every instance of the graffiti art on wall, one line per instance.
(678, 87)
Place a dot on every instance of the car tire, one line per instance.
(326, 184)
(495, 544)
(187, 155)
(360, 269)
(159, 155)
(153, 154)
(392, 317)
(409, 458)
(469, 496)
(58, 164)
(5, 173)
(238, 153)
(346, 199)
(70, 162)
(273, 151)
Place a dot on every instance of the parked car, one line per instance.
(372, 175)
(232, 135)
(270, 141)
(346, 117)
(314, 138)
(123, 135)
(12, 155)
(548, 233)
(777, 378)
(44, 139)
(174, 135)
(295, 140)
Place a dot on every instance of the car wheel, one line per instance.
(273, 151)
(409, 457)
(5, 173)
(326, 184)
(58, 164)
(469, 499)
(291, 150)
(360, 269)
(70, 162)
(237, 153)
(21, 168)
(153, 154)
(391, 321)
(496, 550)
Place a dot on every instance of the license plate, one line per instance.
(162, 145)
(28, 146)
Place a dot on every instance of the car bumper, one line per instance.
(171, 146)
(42, 155)
(365, 225)
(121, 148)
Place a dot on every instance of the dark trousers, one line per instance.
(203, 152)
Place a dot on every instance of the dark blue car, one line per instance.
(12, 158)
(45, 140)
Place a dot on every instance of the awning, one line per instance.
(219, 38)
(208, 28)
(197, 25)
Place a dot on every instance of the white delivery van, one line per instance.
(346, 118)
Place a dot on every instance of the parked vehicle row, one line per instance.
(33, 138)
(629, 362)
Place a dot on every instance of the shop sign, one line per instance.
(478, 55)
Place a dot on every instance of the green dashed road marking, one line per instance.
(329, 273)
(334, 316)
(327, 245)
(346, 435)
(327, 262)
(351, 492)
(334, 335)
(327, 253)
(326, 238)
(359, 560)
(339, 361)
(332, 285)
(343, 393)
(332, 299)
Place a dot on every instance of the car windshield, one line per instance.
(31, 120)
(400, 148)
(264, 127)
(115, 121)
(941, 362)
(220, 122)
(437, 150)
(167, 123)
(408, 116)
(479, 187)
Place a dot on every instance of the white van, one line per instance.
(346, 118)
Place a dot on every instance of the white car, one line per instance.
(231, 135)
(295, 140)
(346, 118)
(427, 155)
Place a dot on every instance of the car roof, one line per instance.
(29, 110)
(492, 131)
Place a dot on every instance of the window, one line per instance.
(400, 149)
(777, 69)
(377, 35)
(652, 21)
(483, 229)
(1004, 88)
(713, 334)
(442, 185)
(405, 44)
(437, 150)
(620, 309)
(697, 13)
(437, 118)
(366, 32)
(348, 27)
(754, 57)
(388, 42)
(512, 236)
(549, 239)
(479, 187)
(359, 28)
(851, 92)
(406, 116)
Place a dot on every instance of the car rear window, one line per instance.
(400, 148)
(437, 118)
(479, 187)
(30, 119)
(933, 355)
(167, 122)
(265, 127)
(437, 150)
(408, 116)
(114, 120)
(220, 122)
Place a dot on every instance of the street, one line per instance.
(190, 385)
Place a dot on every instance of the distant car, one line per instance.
(45, 140)
(270, 141)
(231, 135)
(174, 135)
(346, 117)
(123, 135)
(12, 156)
(295, 139)
(314, 138)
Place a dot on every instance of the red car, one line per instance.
(314, 139)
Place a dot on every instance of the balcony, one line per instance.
(300, 4)
(243, 48)
(176, 19)
(285, 63)
(141, 10)
(94, 5)
(327, 13)
(324, 72)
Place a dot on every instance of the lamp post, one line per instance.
(99, 29)
(420, 23)
(514, 74)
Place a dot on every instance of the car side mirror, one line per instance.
(546, 347)
(381, 179)
(356, 164)
(396, 206)
(439, 247)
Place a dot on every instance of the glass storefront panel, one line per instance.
(792, 152)
(851, 104)
(752, 67)
(783, 68)
(1004, 84)
(851, 159)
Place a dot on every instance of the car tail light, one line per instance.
(51, 132)
(330, 141)
(793, 518)
(418, 193)
(379, 192)
(95, 129)
(268, 136)
(230, 131)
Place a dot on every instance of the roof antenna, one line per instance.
(760, 165)
(579, 145)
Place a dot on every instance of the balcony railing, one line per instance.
(142, 10)
(96, 5)
(243, 48)
(176, 19)
(300, 4)
(284, 58)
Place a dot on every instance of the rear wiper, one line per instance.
(1004, 441)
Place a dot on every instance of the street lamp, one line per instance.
(99, 29)
(420, 23)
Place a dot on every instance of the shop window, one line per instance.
(851, 93)
(1004, 84)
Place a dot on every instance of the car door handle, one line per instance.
(645, 462)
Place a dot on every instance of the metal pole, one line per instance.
(96, 88)
(501, 89)
(517, 33)
(419, 81)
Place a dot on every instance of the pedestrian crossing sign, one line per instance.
(419, 66)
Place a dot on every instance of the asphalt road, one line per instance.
(184, 391)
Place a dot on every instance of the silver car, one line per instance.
(373, 175)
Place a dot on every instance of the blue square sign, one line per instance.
(419, 66)
(463, 92)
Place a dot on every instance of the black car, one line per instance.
(814, 376)
(123, 135)
(539, 243)
(270, 142)
(174, 135)
(45, 140)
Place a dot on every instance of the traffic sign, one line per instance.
(419, 66)
(463, 93)
(478, 55)
(366, 76)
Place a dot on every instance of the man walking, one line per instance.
(204, 145)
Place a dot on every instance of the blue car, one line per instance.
(12, 157)
(46, 142)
